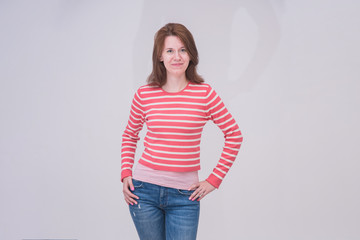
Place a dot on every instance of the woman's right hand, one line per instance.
(128, 195)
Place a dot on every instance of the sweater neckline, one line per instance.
(174, 93)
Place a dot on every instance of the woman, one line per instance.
(164, 191)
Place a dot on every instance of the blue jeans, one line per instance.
(164, 213)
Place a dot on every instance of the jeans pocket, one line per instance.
(137, 183)
(185, 192)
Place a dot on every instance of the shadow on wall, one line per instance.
(213, 24)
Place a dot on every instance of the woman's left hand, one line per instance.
(201, 190)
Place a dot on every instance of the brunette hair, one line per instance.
(158, 74)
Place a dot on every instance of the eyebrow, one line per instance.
(179, 48)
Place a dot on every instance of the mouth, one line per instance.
(177, 64)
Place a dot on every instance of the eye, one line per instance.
(169, 51)
(183, 50)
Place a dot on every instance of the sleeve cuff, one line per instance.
(213, 180)
(125, 173)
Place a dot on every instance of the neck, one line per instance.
(175, 84)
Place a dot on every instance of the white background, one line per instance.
(287, 70)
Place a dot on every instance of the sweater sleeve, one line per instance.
(219, 114)
(131, 136)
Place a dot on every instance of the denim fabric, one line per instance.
(164, 213)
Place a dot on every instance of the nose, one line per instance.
(177, 55)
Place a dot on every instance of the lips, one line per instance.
(177, 64)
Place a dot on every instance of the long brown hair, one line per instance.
(158, 74)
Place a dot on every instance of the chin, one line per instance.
(177, 72)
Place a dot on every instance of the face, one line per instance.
(175, 56)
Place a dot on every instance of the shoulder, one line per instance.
(207, 88)
(201, 86)
(146, 89)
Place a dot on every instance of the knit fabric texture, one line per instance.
(174, 126)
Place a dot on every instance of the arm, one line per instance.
(131, 136)
(128, 147)
(218, 113)
(232, 134)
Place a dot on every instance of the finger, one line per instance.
(127, 201)
(130, 201)
(129, 194)
(202, 196)
(195, 194)
(194, 186)
(131, 198)
(131, 185)
(127, 184)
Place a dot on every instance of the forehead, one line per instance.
(173, 42)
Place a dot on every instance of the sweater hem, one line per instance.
(169, 168)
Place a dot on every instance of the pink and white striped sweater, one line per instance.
(175, 122)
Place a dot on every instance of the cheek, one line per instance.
(187, 58)
(166, 58)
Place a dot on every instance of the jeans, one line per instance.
(164, 213)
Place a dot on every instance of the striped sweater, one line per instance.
(174, 125)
